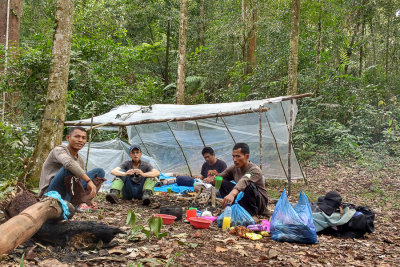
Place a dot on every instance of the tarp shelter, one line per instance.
(172, 136)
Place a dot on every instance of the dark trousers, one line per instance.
(57, 183)
(131, 189)
(251, 198)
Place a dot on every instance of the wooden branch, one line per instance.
(226, 126)
(260, 134)
(148, 121)
(180, 146)
(276, 145)
(201, 137)
(141, 140)
(20, 228)
(290, 147)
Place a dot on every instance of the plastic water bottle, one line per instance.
(226, 223)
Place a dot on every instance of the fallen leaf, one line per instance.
(272, 253)
(30, 255)
(243, 253)
(103, 252)
(220, 249)
(217, 262)
(117, 251)
(133, 255)
(51, 263)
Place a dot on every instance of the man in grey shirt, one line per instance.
(64, 161)
(133, 179)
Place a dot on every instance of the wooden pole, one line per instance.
(260, 133)
(180, 146)
(90, 138)
(148, 121)
(290, 147)
(276, 145)
(201, 137)
(20, 228)
(226, 126)
(141, 140)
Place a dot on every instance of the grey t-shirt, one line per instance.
(219, 166)
(143, 166)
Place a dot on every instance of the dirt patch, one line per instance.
(186, 246)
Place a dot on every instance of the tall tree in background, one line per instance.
(252, 36)
(180, 88)
(294, 49)
(202, 25)
(10, 18)
(51, 128)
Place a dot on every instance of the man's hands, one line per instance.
(134, 171)
(230, 197)
(92, 187)
(209, 180)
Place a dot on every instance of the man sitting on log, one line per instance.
(63, 171)
(248, 178)
(132, 179)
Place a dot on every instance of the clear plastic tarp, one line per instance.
(159, 144)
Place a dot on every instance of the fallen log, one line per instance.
(77, 234)
(23, 226)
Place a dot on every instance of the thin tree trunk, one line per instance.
(244, 27)
(318, 58)
(180, 89)
(51, 128)
(294, 49)
(387, 47)
(10, 18)
(166, 71)
(251, 49)
(362, 47)
(373, 42)
(202, 23)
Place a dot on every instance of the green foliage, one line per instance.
(16, 143)
(154, 227)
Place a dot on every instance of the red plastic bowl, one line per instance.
(167, 219)
(199, 223)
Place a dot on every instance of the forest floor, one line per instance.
(375, 184)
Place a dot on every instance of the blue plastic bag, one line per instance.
(240, 216)
(293, 223)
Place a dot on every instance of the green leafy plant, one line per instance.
(155, 225)
(137, 231)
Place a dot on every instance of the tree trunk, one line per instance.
(10, 18)
(251, 49)
(180, 89)
(373, 42)
(362, 46)
(387, 46)
(202, 23)
(318, 58)
(294, 49)
(13, 23)
(244, 27)
(166, 71)
(20, 228)
(51, 128)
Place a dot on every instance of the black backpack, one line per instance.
(362, 222)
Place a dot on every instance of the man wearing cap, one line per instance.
(132, 179)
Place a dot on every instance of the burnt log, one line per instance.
(78, 234)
